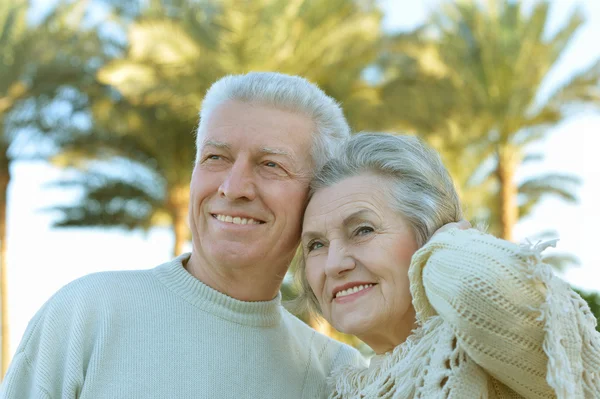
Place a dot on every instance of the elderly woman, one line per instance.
(461, 314)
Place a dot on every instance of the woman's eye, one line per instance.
(314, 245)
(364, 230)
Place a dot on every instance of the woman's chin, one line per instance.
(354, 325)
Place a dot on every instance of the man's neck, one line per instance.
(251, 284)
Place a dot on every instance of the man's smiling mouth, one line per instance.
(235, 219)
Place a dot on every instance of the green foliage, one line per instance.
(469, 82)
(593, 301)
(108, 202)
(38, 65)
(147, 112)
(532, 190)
(130, 168)
(173, 59)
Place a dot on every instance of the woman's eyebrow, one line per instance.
(357, 217)
(352, 219)
(309, 235)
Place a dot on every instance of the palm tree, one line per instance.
(37, 63)
(134, 170)
(173, 60)
(470, 84)
(176, 51)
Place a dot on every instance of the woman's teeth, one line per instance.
(352, 290)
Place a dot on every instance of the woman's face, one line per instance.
(357, 251)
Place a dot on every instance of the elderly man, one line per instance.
(208, 324)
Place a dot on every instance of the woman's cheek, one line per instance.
(314, 280)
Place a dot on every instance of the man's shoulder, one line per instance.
(339, 352)
(101, 292)
(89, 301)
(102, 284)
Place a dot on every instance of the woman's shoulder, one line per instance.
(515, 318)
(399, 372)
(477, 268)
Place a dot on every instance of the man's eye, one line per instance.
(314, 245)
(271, 164)
(212, 157)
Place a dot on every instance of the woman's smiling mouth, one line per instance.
(352, 292)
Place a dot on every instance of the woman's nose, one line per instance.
(339, 260)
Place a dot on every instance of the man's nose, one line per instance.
(239, 182)
(339, 260)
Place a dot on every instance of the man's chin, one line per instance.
(236, 256)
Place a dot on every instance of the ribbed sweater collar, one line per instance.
(256, 314)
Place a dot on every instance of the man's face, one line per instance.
(249, 188)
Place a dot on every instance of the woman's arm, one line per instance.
(518, 321)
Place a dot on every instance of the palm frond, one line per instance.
(561, 261)
(106, 202)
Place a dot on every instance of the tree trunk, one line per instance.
(4, 180)
(508, 160)
(178, 203)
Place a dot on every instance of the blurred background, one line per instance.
(99, 101)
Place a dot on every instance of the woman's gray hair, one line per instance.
(420, 188)
(284, 92)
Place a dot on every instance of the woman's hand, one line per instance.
(461, 225)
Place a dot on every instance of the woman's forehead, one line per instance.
(337, 205)
(366, 187)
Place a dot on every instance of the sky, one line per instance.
(41, 260)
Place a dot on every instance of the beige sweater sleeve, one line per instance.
(519, 322)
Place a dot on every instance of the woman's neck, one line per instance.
(383, 339)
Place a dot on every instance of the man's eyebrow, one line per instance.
(217, 144)
(275, 151)
(264, 150)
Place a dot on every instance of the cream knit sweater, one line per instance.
(494, 322)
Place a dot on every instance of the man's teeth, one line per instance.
(236, 220)
(352, 290)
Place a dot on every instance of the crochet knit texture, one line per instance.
(493, 322)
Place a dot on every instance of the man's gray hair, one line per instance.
(284, 92)
(420, 188)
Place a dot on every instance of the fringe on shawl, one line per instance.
(349, 382)
(563, 376)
